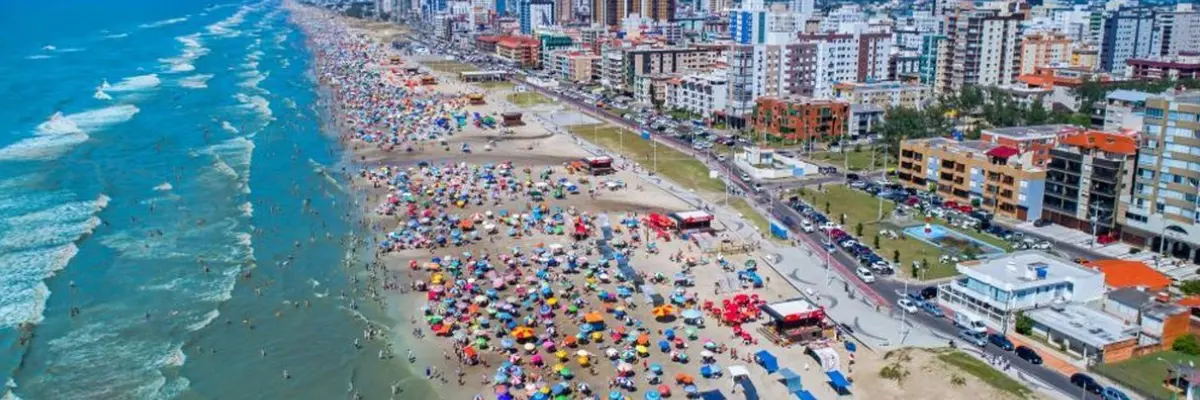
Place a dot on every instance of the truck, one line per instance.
(969, 322)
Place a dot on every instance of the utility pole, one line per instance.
(880, 217)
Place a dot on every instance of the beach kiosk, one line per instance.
(599, 165)
(796, 321)
(476, 99)
(428, 80)
(512, 118)
(695, 220)
(395, 60)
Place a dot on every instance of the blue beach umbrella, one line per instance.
(614, 395)
(653, 395)
(539, 396)
(655, 368)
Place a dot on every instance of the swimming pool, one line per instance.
(950, 240)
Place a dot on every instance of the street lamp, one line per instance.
(1174, 380)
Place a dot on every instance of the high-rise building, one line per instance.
(984, 49)
(608, 12)
(1041, 49)
(1085, 179)
(536, 14)
(564, 10)
(501, 7)
(1162, 208)
(659, 10)
(1128, 33)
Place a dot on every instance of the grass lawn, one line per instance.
(450, 66)
(495, 85)
(861, 207)
(672, 164)
(751, 215)
(985, 372)
(527, 99)
(1146, 374)
(858, 160)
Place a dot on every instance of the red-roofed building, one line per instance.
(1085, 178)
(487, 43)
(524, 50)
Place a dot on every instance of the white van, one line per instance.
(969, 322)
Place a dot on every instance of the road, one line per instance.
(885, 292)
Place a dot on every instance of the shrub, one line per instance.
(1187, 344)
(1024, 325)
(894, 372)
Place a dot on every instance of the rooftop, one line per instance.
(1130, 274)
(1025, 269)
(1133, 96)
(1034, 132)
(790, 307)
(1084, 324)
(1130, 297)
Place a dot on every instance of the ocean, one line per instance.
(172, 224)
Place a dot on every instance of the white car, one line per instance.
(829, 225)
(907, 305)
(807, 227)
(865, 274)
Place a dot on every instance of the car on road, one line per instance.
(807, 227)
(720, 157)
(972, 337)
(1041, 223)
(865, 274)
(1028, 354)
(929, 292)
(907, 305)
(746, 177)
(932, 309)
(1112, 393)
(1086, 382)
(829, 226)
(1000, 341)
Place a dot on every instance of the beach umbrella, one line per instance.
(558, 389)
(593, 317)
(610, 352)
(539, 396)
(691, 333)
(655, 368)
(615, 395)
(653, 396)
(691, 314)
(706, 354)
(530, 347)
(689, 389)
(565, 372)
(561, 354)
(684, 378)
(585, 328)
(642, 350)
(664, 345)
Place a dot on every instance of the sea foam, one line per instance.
(165, 22)
(61, 133)
(199, 81)
(136, 83)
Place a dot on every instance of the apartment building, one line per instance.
(1087, 57)
(704, 95)
(799, 118)
(1128, 33)
(675, 60)
(837, 57)
(1041, 49)
(1162, 209)
(1122, 110)
(1186, 65)
(1088, 173)
(996, 289)
(992, 177)
(612, 70)
(1034, 140)
(983, 50)
(651, 88)
(575, 66)
(523, 50)
(886, 94)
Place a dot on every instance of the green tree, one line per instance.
(876, 241)
(1037, 114)
(1024, 324)
(827, 207)
(1191, 287)
(858, 229)
(1187, 344)
(896, 257)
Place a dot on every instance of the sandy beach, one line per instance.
(490, 251)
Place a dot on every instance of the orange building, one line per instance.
(1040, 49)
(524, 50)
(1036, 139)
(800, 118)
(1047, 77)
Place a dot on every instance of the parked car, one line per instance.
(807, 227)
(1000, 341)
(865, 274)
(1028, 354)
(1041, 223)
(972, 337)
(1112, 393)
(929, 292)
(1086, 382)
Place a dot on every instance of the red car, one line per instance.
(950, 204)
(1106, 239)
(965, 209)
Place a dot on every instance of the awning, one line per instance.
(767, 361)
(838, 380)
(1003, 152)
(712, 395)
(738, 370)
(805, 395)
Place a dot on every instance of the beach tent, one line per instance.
(767, 361)
(712, 395)
(791, 380)
(738, 370)
(838, 381)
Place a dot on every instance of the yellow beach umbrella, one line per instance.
(561, 354)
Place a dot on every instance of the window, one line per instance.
(1154, 112)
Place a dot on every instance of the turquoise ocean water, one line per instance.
(153, 154)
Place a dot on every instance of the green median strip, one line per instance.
(672, 164)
